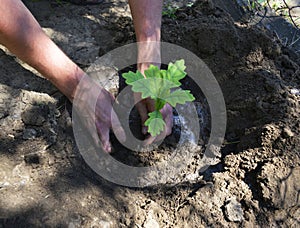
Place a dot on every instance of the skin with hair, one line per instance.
(24, 37)
(146, 16)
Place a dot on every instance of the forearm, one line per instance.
(146, 16)
(23, 36)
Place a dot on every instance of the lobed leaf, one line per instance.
(157, 85)
(179, 97)
(132, 77)
(155, 123)
(152, 72)
(152, 87)
(176, 72)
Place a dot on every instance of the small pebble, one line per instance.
(29, 133)
(51, 161)
(287, 132)
(11, 136)
(104, 224)
(234, 211)
(295, 92)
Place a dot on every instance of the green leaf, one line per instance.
(178, 97)
(152, 87)
(155, 123)
(152, 72)
(132, 77)
(157, 85)
(175, 72)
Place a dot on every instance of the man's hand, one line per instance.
(146, 16)
(93, 104)
(147, 105)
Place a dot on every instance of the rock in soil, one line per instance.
(234, 211)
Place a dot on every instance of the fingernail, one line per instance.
(107, 148)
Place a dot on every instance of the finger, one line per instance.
(167, 113)
(149, 140)
(161, 136)
(87, 126)
(117, 127)
(169, 123)
(142, 109)
(150, 105)
(103, 132)
(154, 139)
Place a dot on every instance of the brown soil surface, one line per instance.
(44, 182)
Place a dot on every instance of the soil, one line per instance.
(44, 181)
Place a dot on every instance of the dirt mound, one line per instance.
(45, 182)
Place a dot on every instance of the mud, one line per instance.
(255, 183)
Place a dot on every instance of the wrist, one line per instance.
(148, 53)
(73, 83)
(67, 83)
(144, 66)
